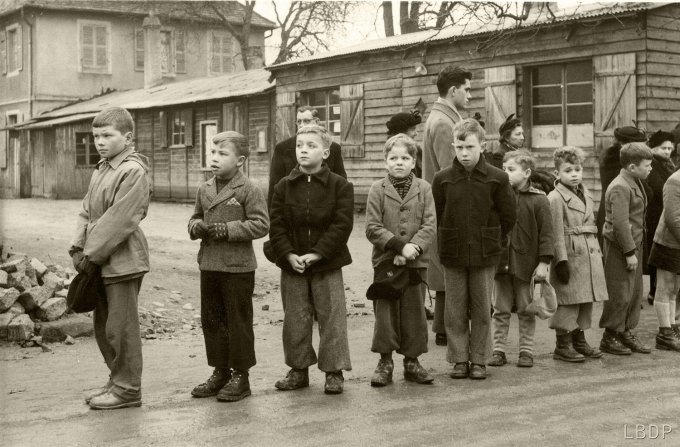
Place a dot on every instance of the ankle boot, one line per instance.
(578, 339)
(564, 350)
(666, 340)
(612, 345)
(237, 388)
(676, 330)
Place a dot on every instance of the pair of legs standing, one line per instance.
(508, 291)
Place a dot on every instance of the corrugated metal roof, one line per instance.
(172, 9)
(54, 122)
(568, 13)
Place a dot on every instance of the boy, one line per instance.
(400, 223)
(576, 274)
(229, 213)
(475, 212)
(623, 233)
(530, 252)
(311, 220)
(108, 241)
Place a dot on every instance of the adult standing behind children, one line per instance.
(312, 215)
(511, 139)
(109, 242)
(453, 84)
(229, 213)
(406, 123)
(283, 160)
(475, 212)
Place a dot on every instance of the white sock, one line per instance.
(662, 312)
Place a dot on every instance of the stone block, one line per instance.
(19, 281)
(21, 328)
(38, 266)
(7, 317)
(7, 298)
(75, 325)
(52, 309)
(34, 297)
(53, 281)
(13, 265)
(63, 293)
(4, 279)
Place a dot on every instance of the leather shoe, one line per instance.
(109, 401)
(440, 339)
(214, 384)
(612, 345)
(295, 379)
(478, 372)
(98, 392)
(236, 389)
(460, 371)
(334, 383)
(498, 359)
(414, 372)
(633, 343)
(526, 360)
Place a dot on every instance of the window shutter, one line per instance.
(3, 52)
(614, 103)
(500, 100)
(227, 54)
(163, 121)
(215, 54)
(180, 58)
(101, 46)
(285, 115)
(188, 118)
(352, 120)
(86, 46)
(139, 50)
(3, 149)
(19, 48)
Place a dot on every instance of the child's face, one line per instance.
(225, 161)
(399, 162)
(663, 150)
(570, 174)
(109, 141)
(468, 151)
(642, 170)
(310, 152)
(517, 174)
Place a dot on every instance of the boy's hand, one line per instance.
(562, 272)
(86, 266)
(201, 230)
(541, 272)
(399, 260)
(631, 262)
(218, 231)
(295, 262)
(410, 251)
(77, 258)
(310, 258)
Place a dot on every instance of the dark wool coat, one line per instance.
(284, 160)
(532, 238)
(495, 158)
(312, 213)
(610, 166)
(662, 168)
(475, 213)
(576, 243)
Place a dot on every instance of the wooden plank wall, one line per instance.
(260, 115)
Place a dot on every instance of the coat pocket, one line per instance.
(491, 241)
(448, 240)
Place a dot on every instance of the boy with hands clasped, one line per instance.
(230, 212)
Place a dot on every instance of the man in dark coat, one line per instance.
(284, 160)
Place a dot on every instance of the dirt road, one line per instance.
(611, 401)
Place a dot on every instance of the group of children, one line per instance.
(481, 216)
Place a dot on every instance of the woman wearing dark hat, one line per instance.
(610, 166)
(511, 139)
(406, 122)
(662, 144)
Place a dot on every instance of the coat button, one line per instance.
(403, 208)
(403, 233)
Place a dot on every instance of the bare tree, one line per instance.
(388, 19)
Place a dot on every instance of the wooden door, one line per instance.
(352, 120)
(285, 115)
(500, 100)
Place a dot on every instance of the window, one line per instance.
(562, 104)
(180, 52)
(208, 131)
(173, 51)
(327, 103)
(12, 50)
(177, 128)
(94, 46)
(139, 50)
(86, 153)
(221, 54)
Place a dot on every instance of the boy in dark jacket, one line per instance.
(531, 250)
(475, 212)
(311, 220)
(229, 213)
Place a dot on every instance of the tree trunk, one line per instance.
(409, 19)
(388, 19)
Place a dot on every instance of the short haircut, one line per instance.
(315, 113)
(522, 157)
(468, 127)
(568, 154)
(117, 117)
(451, 76)
(239, 142)
(317, 130)
(634, 153)
(404, 140)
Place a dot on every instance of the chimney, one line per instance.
(152, 51)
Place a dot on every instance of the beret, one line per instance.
(510, 123)
(389, 281)
(84, 292)
(402, 121)
(658, 138)
(630, 134)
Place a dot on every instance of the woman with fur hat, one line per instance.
(406, 122)
(511, 139)
(662, 144)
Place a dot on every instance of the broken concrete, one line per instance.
(52, 309)
(21, 328)
(38, 266)
(7, 298)
(34, 297)
(75, 325)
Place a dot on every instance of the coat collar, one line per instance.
(528, 188)
(634, 184)
(480, 167)
(390, 191)
(118, 159)
(572, 200)
(227, 192)
(321, 176)
(447, 109)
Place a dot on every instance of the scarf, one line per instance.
(402, 185)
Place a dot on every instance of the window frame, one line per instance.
(201, 128)
(90, 150)
(211, 49)
(304, 100)
(17, 52)
(137, 50)
(171, 129)
(95, 69)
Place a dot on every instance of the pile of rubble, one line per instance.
(30, 292)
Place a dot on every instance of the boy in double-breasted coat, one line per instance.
(577, 273)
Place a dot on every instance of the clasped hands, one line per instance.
(300, 263)
(408, 253)
(211, 231)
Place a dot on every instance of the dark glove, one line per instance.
(86, 266)
(77, 258)
(562, 272)
(218, 231)
(200, 230)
